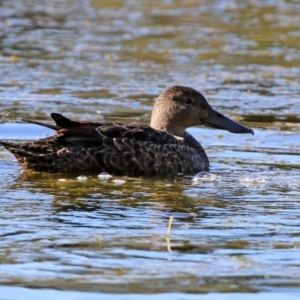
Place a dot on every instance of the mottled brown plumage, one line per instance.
(162, 149)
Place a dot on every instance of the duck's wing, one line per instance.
(70, 131)
(138, 133)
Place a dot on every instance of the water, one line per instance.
(233, 235)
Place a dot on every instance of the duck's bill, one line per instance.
(217, 120)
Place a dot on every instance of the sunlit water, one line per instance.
(234, 230)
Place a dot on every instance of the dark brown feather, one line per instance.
(120, 149)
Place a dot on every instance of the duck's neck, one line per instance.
(166, 121)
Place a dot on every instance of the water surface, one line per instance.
(64, 237)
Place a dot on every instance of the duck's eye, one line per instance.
(188, 101)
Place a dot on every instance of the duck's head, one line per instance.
(179, 107)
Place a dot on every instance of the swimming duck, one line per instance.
(164, 148)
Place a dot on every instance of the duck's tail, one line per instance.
(22, 155)
(17, 150)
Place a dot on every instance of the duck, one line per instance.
(163, 148)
